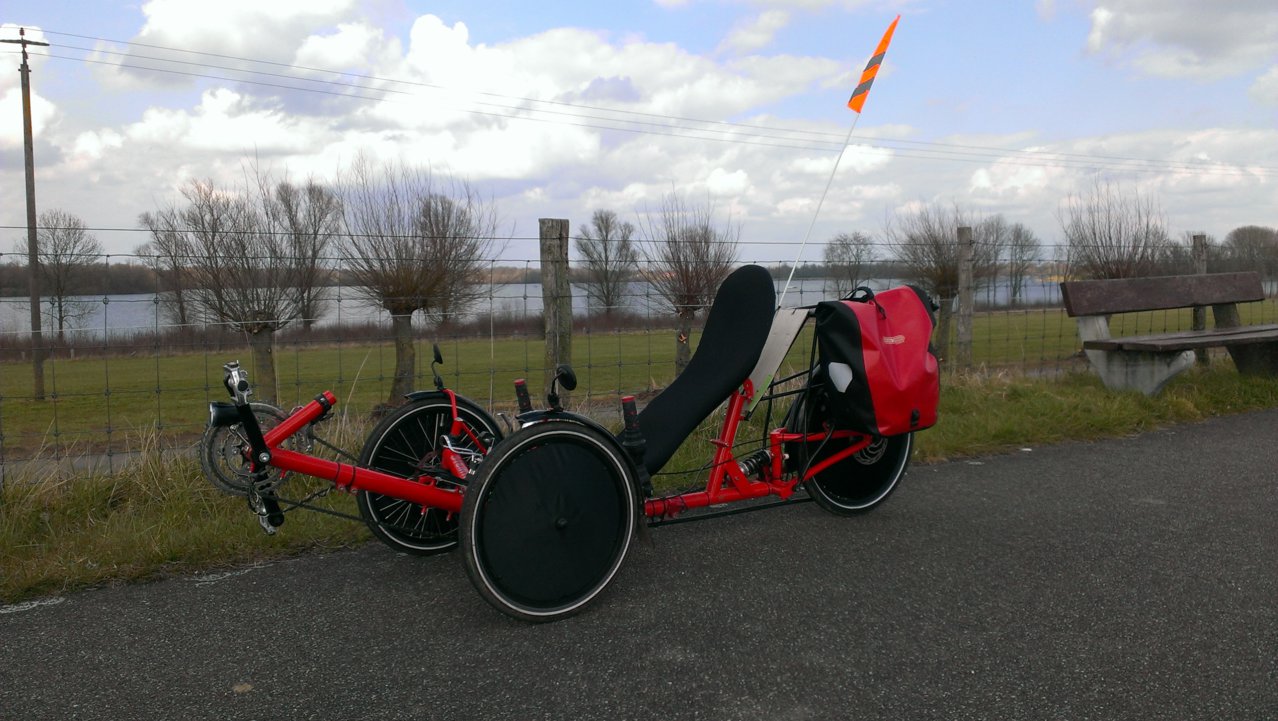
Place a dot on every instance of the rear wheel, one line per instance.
(407, 444)
(548, 520)
(858, 483)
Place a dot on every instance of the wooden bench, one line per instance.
(1147, 362)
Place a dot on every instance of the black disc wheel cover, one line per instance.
(553, 522)
(866, 477)
(854, 484)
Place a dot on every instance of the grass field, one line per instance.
(161, 517)
(96, 404)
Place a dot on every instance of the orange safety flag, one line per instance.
(857, 101)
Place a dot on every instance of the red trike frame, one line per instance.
(424, 490)
(545, 517)
(727, 482)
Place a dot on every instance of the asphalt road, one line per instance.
(1126, 579)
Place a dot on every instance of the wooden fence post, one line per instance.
(1200, 312)
(556, 297)
(966, 296)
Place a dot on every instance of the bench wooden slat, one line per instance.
(1190, 339)
(1126, 295)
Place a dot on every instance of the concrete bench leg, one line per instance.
(1260, 359)
(1144, 371)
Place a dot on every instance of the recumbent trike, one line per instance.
(545, 514)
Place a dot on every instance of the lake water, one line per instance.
(117, 315)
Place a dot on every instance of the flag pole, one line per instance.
(856, 103)
(817, 213)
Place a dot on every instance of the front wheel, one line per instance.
(222, 450)
(859, 483)
(407, 444)
(548, 520)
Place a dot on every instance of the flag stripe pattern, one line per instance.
(857, 101)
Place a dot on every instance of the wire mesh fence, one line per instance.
(120, 368)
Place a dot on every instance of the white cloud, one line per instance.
(862, 159)
(1101, 20)
(93, 145)
(513, 152)
(352, 45)
(43, 114)
(43, 111)
(1010, 177)
(756, 33)
(554, 164)
(1265, 90)
(229, 29)
(1211, 179)
(239, 26)
(570, 64)
(1178, 38)
(722, 183)
(812, 5)
(226, 122)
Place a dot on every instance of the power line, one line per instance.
(668, 125)
(823, 136)
(980, 157)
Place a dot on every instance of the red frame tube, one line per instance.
(298, 419)
(727, 483)
(352, 478)
(423, 490)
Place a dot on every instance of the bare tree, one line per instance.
(168, 254)
(991, 233)
(67, 254)
(689, 254)
(414, 244)
(242, 272)
(1111, 233)
(1253, 247)
(610, 258)
(925, 242)
(310, 218)
(847, 256)
(1023, 252)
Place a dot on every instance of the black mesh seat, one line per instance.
(735, 331)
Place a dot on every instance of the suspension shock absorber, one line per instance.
(755, 462)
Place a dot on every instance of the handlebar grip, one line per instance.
(629, 414)
(521, 393)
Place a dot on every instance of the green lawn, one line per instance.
(99, 403)
(162, 517)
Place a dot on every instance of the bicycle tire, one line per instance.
(548, 520)
(405, 444)
(857, 484)
(222, 453)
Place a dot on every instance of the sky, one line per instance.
(555, 110)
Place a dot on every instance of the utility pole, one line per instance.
(33, 256)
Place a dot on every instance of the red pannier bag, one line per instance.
(877, 367)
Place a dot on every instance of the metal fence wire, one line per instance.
(121, 373)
